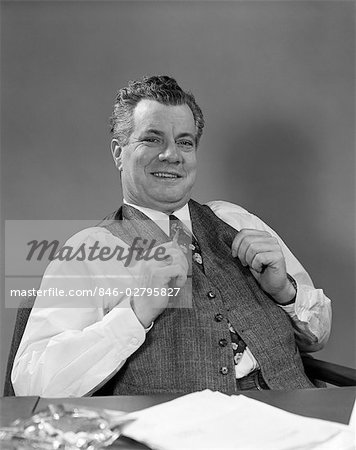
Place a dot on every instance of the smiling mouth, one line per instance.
(166, 175)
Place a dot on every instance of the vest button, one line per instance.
(218, 317)
(224, 370)
(223, 342)
(211, 294)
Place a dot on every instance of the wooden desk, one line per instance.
(333, 404)
(12, 408)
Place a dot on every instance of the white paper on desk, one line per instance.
(211, 420)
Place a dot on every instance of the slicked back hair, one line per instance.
(164, 90)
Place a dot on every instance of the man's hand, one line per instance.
(262, 254)
(159, 275)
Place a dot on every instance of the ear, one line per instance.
(116, 151)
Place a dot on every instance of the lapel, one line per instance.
(214, 241)
(225, 272)
(129, 223)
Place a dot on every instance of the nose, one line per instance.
(171, 153)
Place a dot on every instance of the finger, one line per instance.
(173, 243)
(254, 273)
(175, 271)
(254, 244)
(173, 254)
(168, 245)
(257, 242)
(245, 235)
(175, 239)
(178, 261)
(180, 280)
(268, 259)
(255, 248)
(182, 262)
(178, 257)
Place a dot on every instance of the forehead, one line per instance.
(150, 114)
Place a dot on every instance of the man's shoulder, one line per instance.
(89, 235)
(221, 206)
(235, 215)
(97, 232)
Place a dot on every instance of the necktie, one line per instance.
(186, 241)
(190, 246)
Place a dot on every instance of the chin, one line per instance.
(167, 195)
(173, 197)
(176, 202)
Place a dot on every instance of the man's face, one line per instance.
(158, 165)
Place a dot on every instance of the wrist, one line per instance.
(145, 318)
(289, 294)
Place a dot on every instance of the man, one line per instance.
(252, 302)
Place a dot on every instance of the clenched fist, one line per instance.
(261, 253)
(159, 275)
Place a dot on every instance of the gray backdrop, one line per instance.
(276, 83)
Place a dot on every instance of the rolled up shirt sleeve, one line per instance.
(311, 313)
(311, 317)
(73, 344)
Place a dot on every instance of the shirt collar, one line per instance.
(162, 219)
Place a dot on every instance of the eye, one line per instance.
(153, 140)
(186, 144)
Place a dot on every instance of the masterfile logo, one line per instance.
(92, 262)
(137, 250)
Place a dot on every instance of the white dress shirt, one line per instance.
(71, 347)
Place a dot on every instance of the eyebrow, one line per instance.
(153, 131)
(161, 133)
(187, 135)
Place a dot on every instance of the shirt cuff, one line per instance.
(124, 329)
(149, 328)
(311, 313)
(290, 307)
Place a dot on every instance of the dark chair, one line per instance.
(23, 314)
(331, 373)
(315, 369)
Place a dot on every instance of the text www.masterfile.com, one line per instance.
(96, 292)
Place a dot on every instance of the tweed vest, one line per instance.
(181, 352)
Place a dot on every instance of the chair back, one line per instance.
(23, 314)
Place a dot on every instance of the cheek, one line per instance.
(144, 157)
(135, 161)
(191, 165)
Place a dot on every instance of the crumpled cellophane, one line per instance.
(64, 427)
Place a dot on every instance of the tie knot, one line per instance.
(179, 232)
(177, 226)
(173, 217)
